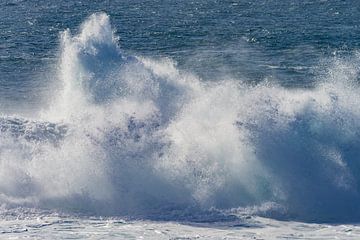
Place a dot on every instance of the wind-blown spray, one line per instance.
(132, 136)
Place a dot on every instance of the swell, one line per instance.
(133, 136)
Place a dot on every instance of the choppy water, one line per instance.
(193, 119)
(52, 226)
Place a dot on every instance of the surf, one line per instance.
(134, 136)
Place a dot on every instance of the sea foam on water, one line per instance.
(133, 136)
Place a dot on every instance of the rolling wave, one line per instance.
(133, 136)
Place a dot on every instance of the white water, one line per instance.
(135, 137)
(60, 227)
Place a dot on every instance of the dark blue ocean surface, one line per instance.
(284, 41)
(195, 111)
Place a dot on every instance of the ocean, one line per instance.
(201, 119)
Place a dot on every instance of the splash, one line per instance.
(133, 136)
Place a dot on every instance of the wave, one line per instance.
(133, 136)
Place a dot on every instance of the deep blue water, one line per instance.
(284, 41)
(181, 110)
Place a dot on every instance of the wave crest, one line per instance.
(138, 137)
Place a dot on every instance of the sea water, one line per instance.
(179, 119)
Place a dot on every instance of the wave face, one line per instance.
(133, 136)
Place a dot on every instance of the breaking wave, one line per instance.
(133, 136)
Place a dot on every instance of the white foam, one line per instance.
(145, 138)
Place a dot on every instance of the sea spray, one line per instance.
(132, 136)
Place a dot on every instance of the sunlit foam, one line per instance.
(137, 136)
